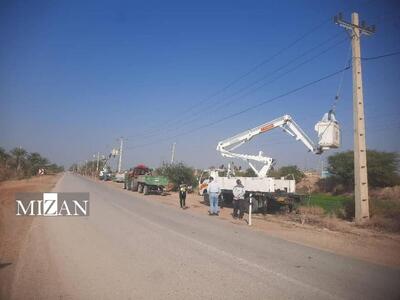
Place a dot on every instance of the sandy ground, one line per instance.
(347, 239)
(13, 229)
(379, 248)
(135, 247)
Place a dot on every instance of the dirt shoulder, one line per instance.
(13, 229)
(336, 236)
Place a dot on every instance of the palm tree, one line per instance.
(4, 157)
(36, 161)
(19, 155)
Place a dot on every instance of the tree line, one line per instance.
(19, 163)
(383, 171)
(382, 168)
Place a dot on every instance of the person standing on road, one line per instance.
(213, 191)
(128, 180)
(182, 195)
(238, 200)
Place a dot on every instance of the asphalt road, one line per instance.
(133, 248)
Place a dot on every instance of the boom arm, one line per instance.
(285, 122)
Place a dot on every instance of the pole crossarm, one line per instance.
(363, 28)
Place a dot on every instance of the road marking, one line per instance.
(233, 257)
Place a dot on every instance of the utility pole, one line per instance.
(120, 154)
(360, 149)
(98, 161)
(173, 153)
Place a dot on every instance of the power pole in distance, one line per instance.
(98, 161)
(120, 154)
(360, 154)
(173, 153)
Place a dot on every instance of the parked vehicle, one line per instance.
(151, 184)
(267, 191)
(119, 177)
(105, 174)
(144, 182)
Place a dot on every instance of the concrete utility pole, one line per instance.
(173, 153)
(98, 161)
(120, 154)
(360, 155)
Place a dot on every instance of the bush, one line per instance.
(249, 172)
(332, 184)
(177, 174)
(286, 171)
(382, 168)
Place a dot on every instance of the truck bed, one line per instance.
(153, 180)
(258, 184)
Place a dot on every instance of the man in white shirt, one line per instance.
(238, 200)
(213, 191)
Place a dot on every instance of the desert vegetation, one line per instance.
(18, 163)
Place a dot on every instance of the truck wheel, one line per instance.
(140, 188)
(145, 190)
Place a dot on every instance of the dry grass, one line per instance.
(317, 217)
(387, 193)
(384, 210)
(308, 184)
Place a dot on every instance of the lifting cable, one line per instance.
(347, 64)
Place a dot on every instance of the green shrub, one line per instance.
(177, 174)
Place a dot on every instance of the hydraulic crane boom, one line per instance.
(289, 126)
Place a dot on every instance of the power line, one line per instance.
(252, 70)
(339, 89)
(381, 56)
(279, 76)
(256, 88)
(247, 109)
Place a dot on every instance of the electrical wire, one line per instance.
(252, 70)
(339, 89)
(246, 109)
(381, 56)
(224, 103)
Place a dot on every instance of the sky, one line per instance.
(75, 76)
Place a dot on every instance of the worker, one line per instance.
(126, 174)
(130, 179)
(182, 195)
(213, 191)
(238, 200)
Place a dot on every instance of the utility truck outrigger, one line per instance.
(262, 188)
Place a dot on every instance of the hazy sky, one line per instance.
(77, 75)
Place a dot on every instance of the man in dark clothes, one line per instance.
(182, 195)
